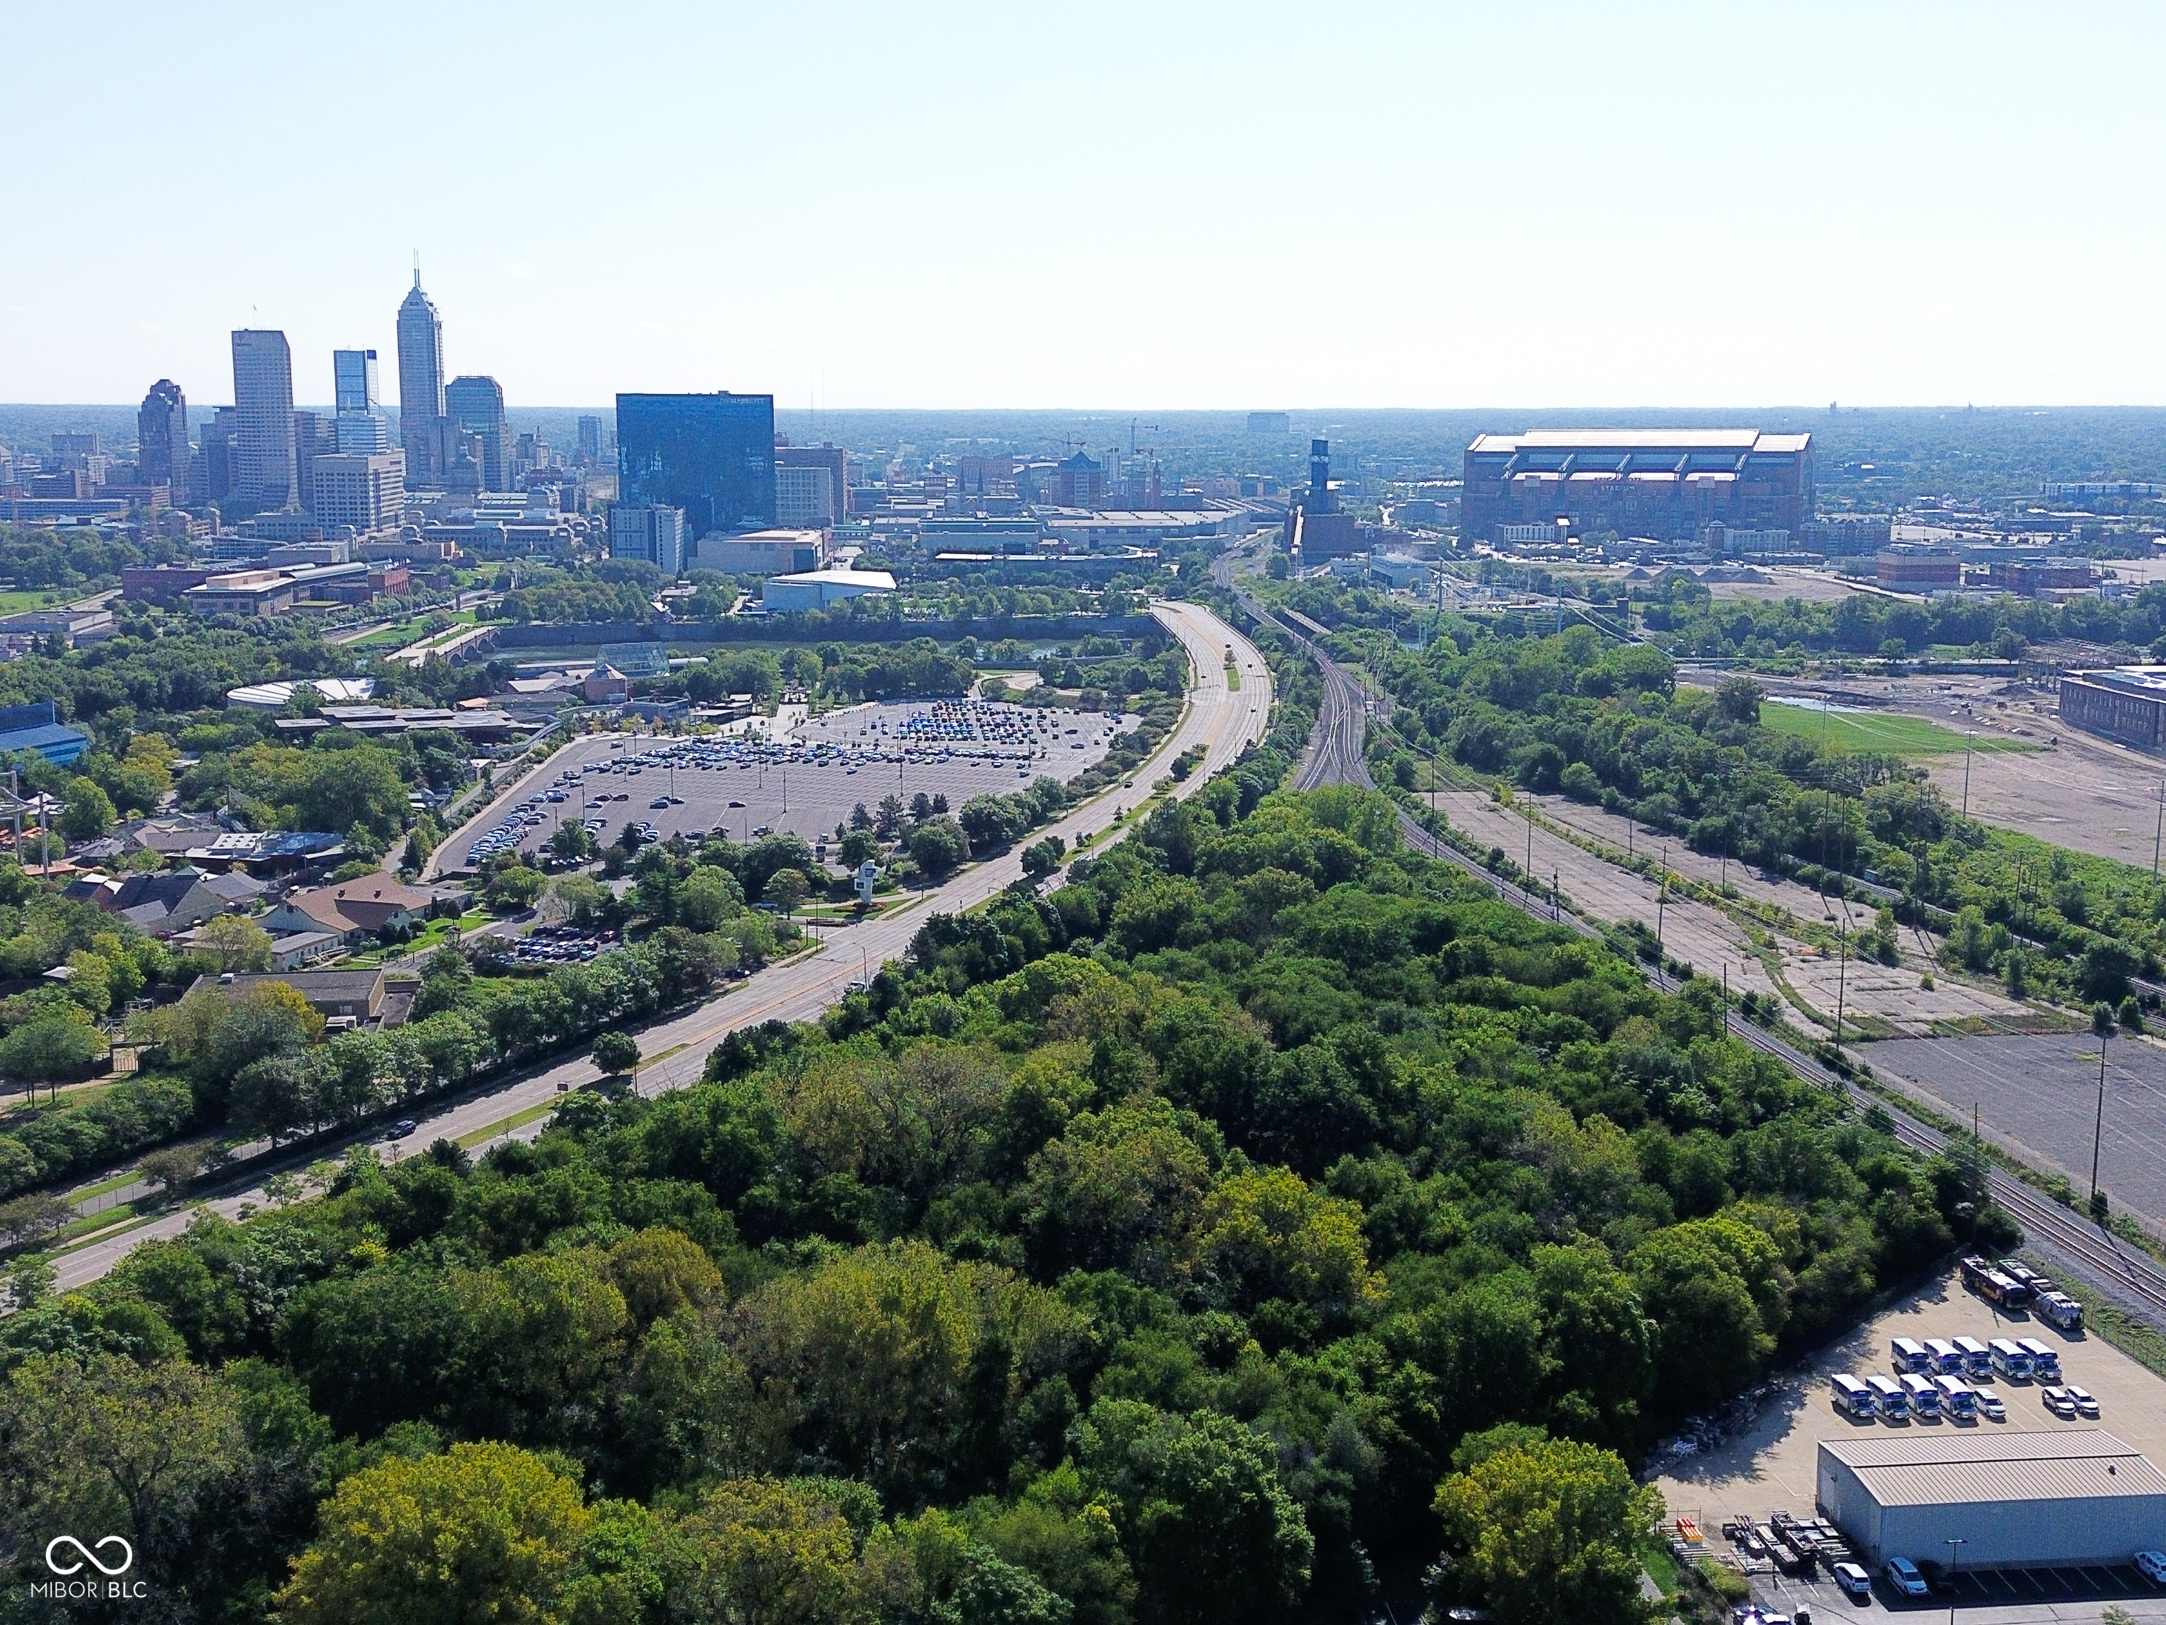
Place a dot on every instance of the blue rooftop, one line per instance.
(56, 742)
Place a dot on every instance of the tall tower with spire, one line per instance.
(421, 386)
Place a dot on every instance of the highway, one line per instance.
(1335, 756)
(1223, 719)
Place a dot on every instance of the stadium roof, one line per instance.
(1641, 440)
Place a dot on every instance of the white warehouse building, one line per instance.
(813, 590)
(2074, 1497)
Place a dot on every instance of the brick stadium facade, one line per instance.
(1665, 483)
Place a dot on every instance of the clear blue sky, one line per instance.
(1172, 205)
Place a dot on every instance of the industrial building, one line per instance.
(2072, 1497)
(1906, 570)
(1670, 484)
(2127, 703)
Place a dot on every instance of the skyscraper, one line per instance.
(353, 380)
(590, 441)
(361, 427)
(161, 432)
(264, 471)
(475, 406)
(421, 386)
(711, 455)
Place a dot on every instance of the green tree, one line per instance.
(50, 1049)
(1543, 1530)
(938, 845)
(89, 812)
(1213, 1534)
(786, 888)
(1041, 858)
(484, 1534)
(238, 943)
(767, 1552)
(117, 1446)
(616, 1053)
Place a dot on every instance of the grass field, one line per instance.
(1886, 733)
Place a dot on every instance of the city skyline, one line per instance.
(1204, 206)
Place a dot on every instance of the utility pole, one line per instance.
(2101, 1024)
(1662, 899)
(2160, 833)
(1842, 977)
(1969, 738)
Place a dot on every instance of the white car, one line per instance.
(2081, 1398)
(1991, 1407)
(1903, 1575)
(2059, 1401)
(1853, 1580)
(2153, 1565)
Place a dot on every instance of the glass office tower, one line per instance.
(711, 455)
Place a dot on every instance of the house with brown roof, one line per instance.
(352, 909)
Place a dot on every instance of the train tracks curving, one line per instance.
(1335, 755)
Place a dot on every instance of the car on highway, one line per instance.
(1903, 1577)
(2081, 1399)
(1853, 1580)
(403, 1127)
(1991, 1406)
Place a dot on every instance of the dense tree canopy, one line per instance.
(1143, 1254)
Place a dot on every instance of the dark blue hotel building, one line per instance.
(711, 455)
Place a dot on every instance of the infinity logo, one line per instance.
(90, 1555)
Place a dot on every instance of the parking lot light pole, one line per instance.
(1953, 1542)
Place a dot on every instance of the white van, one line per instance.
(1910, 1357)
(2045, 1359)
(1956, 1398)
(1923, 1396)
(1852, 1397)
(1977, 1359)
(1888, 1399)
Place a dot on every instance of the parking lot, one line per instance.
(1771, 1463)
(794, 774)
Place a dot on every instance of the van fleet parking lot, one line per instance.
(1772, 1465)
(803, 777)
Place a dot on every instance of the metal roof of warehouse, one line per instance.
(2071, 1464)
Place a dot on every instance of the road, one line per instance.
(2133, 1278)
(1224, 720)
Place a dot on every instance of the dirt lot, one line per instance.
(2040, 1096)
(1885, 999)
(1772, 1464)
(2080, 791)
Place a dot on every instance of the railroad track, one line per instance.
(1335, 755)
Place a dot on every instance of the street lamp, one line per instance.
(1953, 1542)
